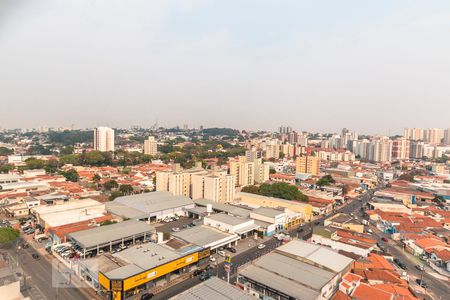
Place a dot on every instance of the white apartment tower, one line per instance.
(103, 139)
(150, 146)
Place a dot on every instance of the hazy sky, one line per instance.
(371, 66)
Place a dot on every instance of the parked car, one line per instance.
(204, 276)
(175, 229)
(400, 263)
(384, 239)
(147, 296)
(212, 258)
(231, 249)
(198, 272)
(221, 253)
(31, 231)
(422, 283)
(261, 246)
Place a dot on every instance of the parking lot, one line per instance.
(181, 223)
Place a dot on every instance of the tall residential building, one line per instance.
(433, 136)
(262, 171)
(400, 149)
(248, 172)
(150, 146)
(307, 164)
(242, 170)
(416, 149)
(285, 129)
(380, 150)
(216, 186)
(414, 134)
(197, 183)
(362, 149)
(447, 136)
(253, 154)
(103, 139)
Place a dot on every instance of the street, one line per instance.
(40, 282)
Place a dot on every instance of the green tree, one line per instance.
(96, 178)
(8, 235)
(325, 180)
(272, 171)
(110, 184)
(66, 150)
(252, 189)
(5, 168)
(278, 190)
(51, 166)
(282, 190)
(34, 163)
(70, 159)
(5, 151)
(95, 158)
(71, 175)
(126, 189)
(114, 195)
(39, 150)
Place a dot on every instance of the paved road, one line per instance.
(40, 282)
(253, 253)
(439, 288)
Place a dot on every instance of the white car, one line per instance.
(175, 229)
(261, 246)
(221, 253)
(211, 258)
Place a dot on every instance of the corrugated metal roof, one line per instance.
(203, 235)
(104, 234)
(147, 203)
(320, 255)
(213, 288)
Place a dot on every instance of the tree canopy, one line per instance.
(8, 235)
(5, 151)
(325, 180)
(277, 190)
(71, 175)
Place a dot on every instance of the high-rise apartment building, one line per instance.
(103, 139)
(380, 150)
(414, 134)
(307, 164)
(150, 146)
(416, 149)
(446, 140)
(248, 172)
(197, 183)
(433, 136)
(400, 149)
(253, 154)
(243, 171)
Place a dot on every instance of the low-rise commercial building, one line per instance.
(241, 226)
(296, 270)
(144, 266)
(213, 288)
(255, 201)
(150, 207)
(70, 212)
(207, 237)
(104, 238)
(344, 221)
